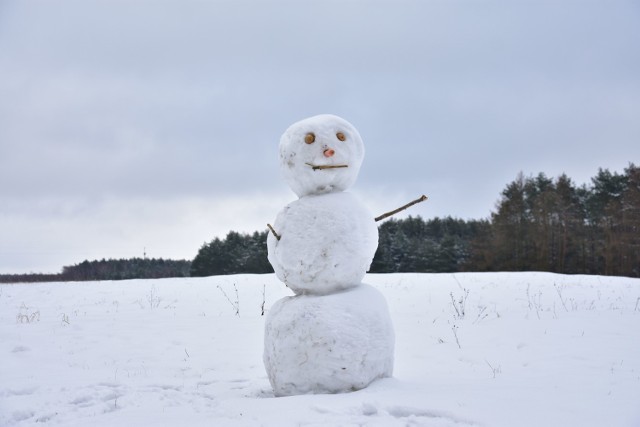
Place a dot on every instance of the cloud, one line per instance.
(52, 232)
(109, 105)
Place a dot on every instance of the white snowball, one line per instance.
(327, 243)
(330, 343)
(298, 158)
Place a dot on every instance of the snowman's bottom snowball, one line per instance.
(328, 343)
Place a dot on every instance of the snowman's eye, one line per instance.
(340, 136)
(309, 138)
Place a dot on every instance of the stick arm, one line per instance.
(401, 208)
(276, 235)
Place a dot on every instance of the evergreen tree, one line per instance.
(630, 223)
(237, 253)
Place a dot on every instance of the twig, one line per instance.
(481, 314)
(236, 304)
(559, 290)
(316, 167)
(459, 305)
(454, 328)
(458, 282)
(453, 302)
(533, 303)
(401, 208)
(495, 371)
(277, 236)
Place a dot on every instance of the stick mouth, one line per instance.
(322, 167)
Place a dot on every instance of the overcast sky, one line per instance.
(128, 126)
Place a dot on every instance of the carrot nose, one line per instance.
(329, 152)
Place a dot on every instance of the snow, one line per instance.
(328, 343)
(327, 243)
(298, 158)
(535, 349)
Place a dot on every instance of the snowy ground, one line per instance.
(503, 349)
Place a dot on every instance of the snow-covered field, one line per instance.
(491, 349)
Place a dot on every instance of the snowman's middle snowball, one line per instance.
(327, 243)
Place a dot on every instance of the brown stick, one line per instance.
(277, 236)
(401, 208)
(315, 168)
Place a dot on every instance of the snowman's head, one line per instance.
(321, 154)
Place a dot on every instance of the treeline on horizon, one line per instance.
(540, 224)
(109, 269)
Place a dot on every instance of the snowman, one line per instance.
(335, 334)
